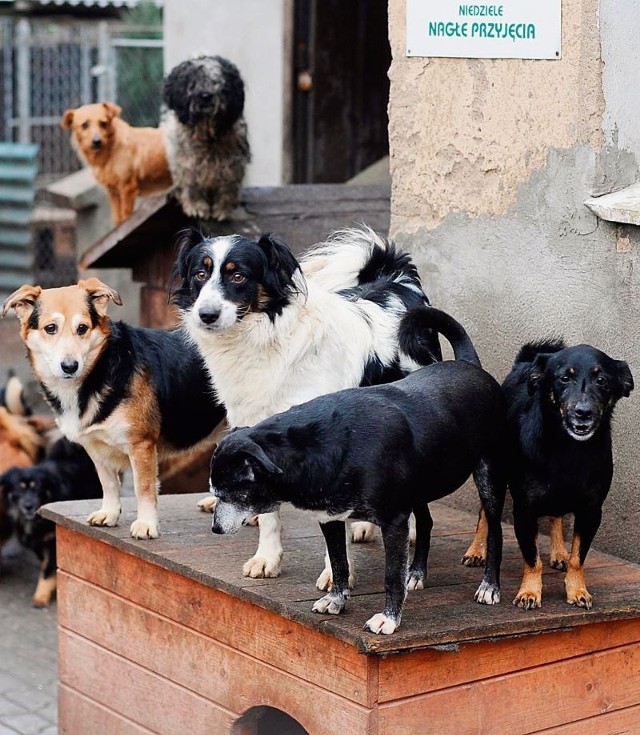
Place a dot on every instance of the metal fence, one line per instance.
(49, 66)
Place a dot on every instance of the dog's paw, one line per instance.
(528, 599)
(473, 559)
(253, 521)
(380, 623)
(325, 580)
(44, 593)
(415, 581)
(259, 567)
(580, 598)
(487, 594)
(207, 505)
(332, 604)
(561, 563)
(104, 517)
(144, 529)
(362, 532)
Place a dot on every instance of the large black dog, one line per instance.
(560, 403)
(67, 473)
(378, 454)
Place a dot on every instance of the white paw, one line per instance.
(104, 517)
(361, 532)
(259, 567)
(325, 580)
(206, 505)
(333, 604)
(144, 529)
(415, 583)
(380, 623)
(487, 594)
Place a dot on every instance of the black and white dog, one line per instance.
(560, 405)
(378, 454)
(275, 333)
(206, 135)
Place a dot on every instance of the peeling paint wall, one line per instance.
(491, 162)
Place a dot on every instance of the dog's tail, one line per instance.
(414, 335)
(12, 397)
(357, 256)
(531, 350)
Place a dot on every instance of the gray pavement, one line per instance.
(28, 650)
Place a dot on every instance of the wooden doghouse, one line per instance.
(167, 637)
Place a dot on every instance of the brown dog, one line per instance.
(130, 396)
(127, 161)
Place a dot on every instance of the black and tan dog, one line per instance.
(560, 404)
(67, 473)
(128, 395)
(378, 454)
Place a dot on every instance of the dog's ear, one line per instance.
(112, 109)
(257, 458)
(186, 241)
(537, 371)
(67, 119)
(100, 294)
(174, 90)
(22, 301)
(281, 266)
(624, 378)
(233, 101)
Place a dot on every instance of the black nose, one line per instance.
(584, 413)
(96, 142)
(69, 366)
(209, 316)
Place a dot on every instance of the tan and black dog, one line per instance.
(127, 161)
(129, 395)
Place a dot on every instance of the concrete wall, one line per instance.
(491, 161)
(254, 35)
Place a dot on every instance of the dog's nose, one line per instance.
(209, 316)
(96, 142)
(583, 412)
(69, 366)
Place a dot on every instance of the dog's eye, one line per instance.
(205, 96)
(82, 329)
(601, 381)
(85, 125)
(565, 378)
(238, 278)
(200, 275)
(51, 328)
(103, 124)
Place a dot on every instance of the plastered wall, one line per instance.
(491, 161)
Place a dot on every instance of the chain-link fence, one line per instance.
(51, 64)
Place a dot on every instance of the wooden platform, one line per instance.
(165, 636)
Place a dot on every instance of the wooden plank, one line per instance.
(431, 670)
(125, 689)
(444, 613)
(525, 702)
(197, 662)
(76, 710)
(256, 632)
(623, 722)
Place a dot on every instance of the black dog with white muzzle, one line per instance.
(378, 454)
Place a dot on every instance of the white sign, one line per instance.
(511, 29)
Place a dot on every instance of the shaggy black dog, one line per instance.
(67, 473)
(560, 404)
(206, 135)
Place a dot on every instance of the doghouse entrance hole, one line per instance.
(267, 721)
